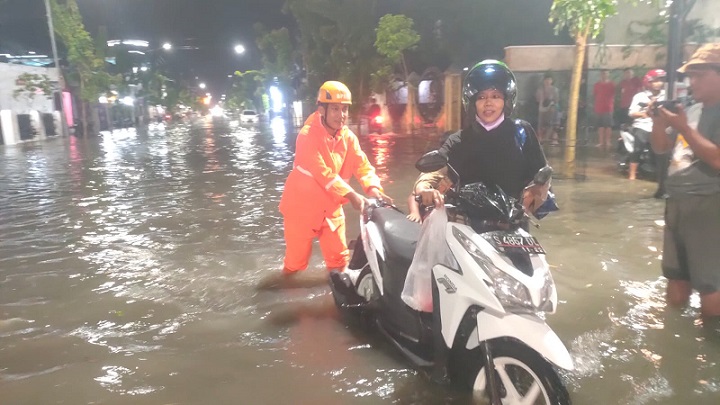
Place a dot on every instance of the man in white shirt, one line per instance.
(654, 81)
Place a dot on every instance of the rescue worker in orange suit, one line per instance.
(327, 154)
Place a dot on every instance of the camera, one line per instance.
(670, 105)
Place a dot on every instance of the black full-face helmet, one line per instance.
(489, 74)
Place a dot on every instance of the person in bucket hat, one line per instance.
(691, 258)
(706, 57)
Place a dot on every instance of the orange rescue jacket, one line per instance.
(323, 165)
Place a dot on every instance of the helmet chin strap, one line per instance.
(325, 123)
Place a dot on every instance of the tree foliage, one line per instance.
(31, 84)
(277, 51)
(337, 38)
(247, 89)
(177, 95)
(583, 19)
(336, 43)
(87, 67)
(395, 36)
(154, 87)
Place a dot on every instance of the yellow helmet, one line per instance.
(334, 92)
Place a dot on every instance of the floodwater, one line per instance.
(129, 265)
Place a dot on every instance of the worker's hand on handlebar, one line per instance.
(375, 193)
(358, 202)
(431, 197)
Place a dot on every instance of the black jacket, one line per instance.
(493, 157)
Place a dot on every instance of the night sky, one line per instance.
(214, 26)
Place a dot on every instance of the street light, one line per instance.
(202, 85)
(167, 46)
(239, 49)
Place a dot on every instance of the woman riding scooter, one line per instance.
(491, 148)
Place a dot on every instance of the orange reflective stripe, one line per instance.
(303, 171)
(333, 181)
(328, 185)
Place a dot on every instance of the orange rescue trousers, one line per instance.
(298, 244)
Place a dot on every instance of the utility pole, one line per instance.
(61, 82)
(679, 10)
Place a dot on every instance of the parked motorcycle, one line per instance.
(625, 148)
(376, 123)
(486, 331)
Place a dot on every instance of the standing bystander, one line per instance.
(691, 258)
(604, 93)
(548, 97)
(630, 85)
(642, 125)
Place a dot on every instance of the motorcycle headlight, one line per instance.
(512, 294)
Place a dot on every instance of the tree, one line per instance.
(396, 36)
(30, 85)
(87, 67)
(247, 89)
(277, 57)
(178, 94)
(276, 50)
(584, 19)
(154, 87)
(336, 43)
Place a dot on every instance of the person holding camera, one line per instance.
(654, 81)
(691, 258)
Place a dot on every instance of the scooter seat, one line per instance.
(399, 233)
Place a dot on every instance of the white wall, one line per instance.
(708, 11)
(8, 75)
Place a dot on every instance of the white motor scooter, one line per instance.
(486, 330)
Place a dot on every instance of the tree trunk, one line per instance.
(410, 106)
(572, 116)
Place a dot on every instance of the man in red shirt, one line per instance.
(604, 93)
(630, 85)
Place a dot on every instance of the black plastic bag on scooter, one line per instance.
(486, 208)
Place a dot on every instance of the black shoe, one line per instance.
(660, 195)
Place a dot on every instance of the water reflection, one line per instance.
(128, 266)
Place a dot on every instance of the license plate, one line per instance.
(515, 243)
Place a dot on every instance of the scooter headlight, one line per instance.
(512, 294)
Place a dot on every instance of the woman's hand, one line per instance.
(415, 217)
(432, 198)
(534, 196)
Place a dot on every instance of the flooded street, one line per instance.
(128, 266)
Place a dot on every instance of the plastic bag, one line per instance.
(431, 250)
(550, 205)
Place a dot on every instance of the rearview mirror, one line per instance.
(430, 162)
(543, 175)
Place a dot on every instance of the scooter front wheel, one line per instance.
(524, 376)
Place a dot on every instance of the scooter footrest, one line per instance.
(344, 291)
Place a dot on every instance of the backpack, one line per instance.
(520, 135)
(550, 203)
